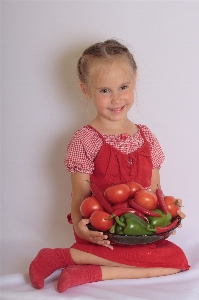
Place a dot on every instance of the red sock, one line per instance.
(46, 262)
(78, 274)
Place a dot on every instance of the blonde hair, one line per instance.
(103, 50)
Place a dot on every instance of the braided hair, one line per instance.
(102, 50)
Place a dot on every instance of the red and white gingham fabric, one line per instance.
(86, 143)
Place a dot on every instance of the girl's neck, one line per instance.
(114, 128)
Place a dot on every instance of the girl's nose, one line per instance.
(115, 98)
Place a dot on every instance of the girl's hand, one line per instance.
(95, 237)
(180, 213)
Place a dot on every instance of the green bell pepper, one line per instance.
(162, 221)
(131, 224)
(119, 229)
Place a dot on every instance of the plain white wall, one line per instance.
(41, 42)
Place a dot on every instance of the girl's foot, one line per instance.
(78, 274)
(46, 262)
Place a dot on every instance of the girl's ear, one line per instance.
(84, 89)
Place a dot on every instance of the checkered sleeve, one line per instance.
(82, 150)
(157, 154)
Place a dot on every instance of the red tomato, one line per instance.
(89, 205)
(117, 193)
(146, 199)
(171, 203)
(134, 187)
(101, 220)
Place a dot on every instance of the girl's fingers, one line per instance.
(105, 243)
(179, 201)
(108, 246)
(96, 236)
(100, 239)
(181, 214)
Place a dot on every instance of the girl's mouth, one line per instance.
(117, 110)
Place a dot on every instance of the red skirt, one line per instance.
(159, 254)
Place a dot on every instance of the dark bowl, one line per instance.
(118, 239)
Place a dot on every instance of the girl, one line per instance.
(111, 149)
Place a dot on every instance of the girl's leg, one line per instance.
(84, 258)
(81, 274)
(109, 273)
(49, 260)
(110, 270)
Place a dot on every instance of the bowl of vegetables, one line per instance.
(140, 218)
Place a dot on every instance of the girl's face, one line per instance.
(111, 87)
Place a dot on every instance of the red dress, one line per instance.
(113, 166)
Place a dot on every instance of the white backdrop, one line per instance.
(42, 106)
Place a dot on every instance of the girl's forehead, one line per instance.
(106, 70)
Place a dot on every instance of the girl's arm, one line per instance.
(155, 180)
(80, 191)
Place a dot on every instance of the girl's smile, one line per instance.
(117, 110)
